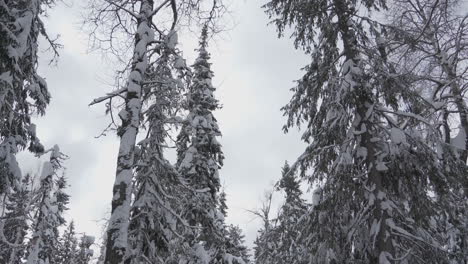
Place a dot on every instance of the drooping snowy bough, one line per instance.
(23, 93)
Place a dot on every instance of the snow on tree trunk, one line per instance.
(156, 226)
(119, 221)
(142, 205)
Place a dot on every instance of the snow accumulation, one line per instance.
(55, 152)
(381, 166)
(172, 40)
(361, 152)
(317, 196)
(187, 161)
(397, 136)
(23, 25)
(459, 141)
(47, 170)
(202, 255)
(350, 69)
(7, 148)
(180, 63)
(7, 77)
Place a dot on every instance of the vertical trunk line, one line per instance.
(363, 101)
(117, 233)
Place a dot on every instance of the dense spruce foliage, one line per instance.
(199, 161)
(23, 92)
(380, 156)
(282, 239)
(48, 218)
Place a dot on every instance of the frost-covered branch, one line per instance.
(109, 96)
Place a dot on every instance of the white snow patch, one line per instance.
(172, 40)
(381, 166)
(397, 136)
(179, 63)
(460, 140)
(202, 255)
(7, 77)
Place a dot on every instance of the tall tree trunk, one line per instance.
(363, 100)
(118, 223)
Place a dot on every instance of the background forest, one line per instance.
(181, 131)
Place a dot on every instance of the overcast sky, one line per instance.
(254, 71)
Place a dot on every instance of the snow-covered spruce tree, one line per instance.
(49, 215)
(16, 221)
(121, 21)
(84, 252)
(67, 247)
(266, 247)
(155, 222)
(23, 92)
(223, 203)
(233, 237)
(370, 148)
(202, 158)
(266, 243)
(281, 240)
(235, 243)
(291, 248)
(60, 200)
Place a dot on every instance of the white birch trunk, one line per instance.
(119, 221)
